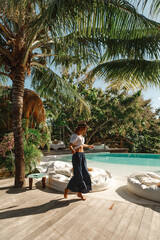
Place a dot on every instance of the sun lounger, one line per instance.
(58, 145)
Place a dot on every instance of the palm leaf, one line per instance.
(154, 5)
(145, 47)
(128, 73)
(78, 16)
(47, 84)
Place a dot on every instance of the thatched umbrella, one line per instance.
(33, 110)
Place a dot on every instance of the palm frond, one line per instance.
(48, 84)
(98, 20)
(154, 5)
(145, 47)
(128, 73)
(86, 19)
(69, 50)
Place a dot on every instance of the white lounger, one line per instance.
(145, 185)
(59, 174)
(59, 145)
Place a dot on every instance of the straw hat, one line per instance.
(82, 124)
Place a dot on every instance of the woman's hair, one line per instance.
(80, 128)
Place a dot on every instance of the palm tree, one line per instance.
(34, 33)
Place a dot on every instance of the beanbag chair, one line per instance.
(145, 185)
(59, 174)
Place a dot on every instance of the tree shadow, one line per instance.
(13, 190)
(7, 187)
(53, 204)
(1, 209)
(130, 197)
(37, 185)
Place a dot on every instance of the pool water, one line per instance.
(122, 158)
(127, 159)
(121, 163)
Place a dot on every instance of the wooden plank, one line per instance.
(45, 214)
(22, 199)
(6, 181)
(37, 222)
(95, 223)
(105, 218)
(121, 228)
(90, 229)
(145, 224)
(16, 224)
(155, 224)
(25, 209)
(114, 220)
(49, 227)
(134, 224)
(70, 220)
(8, 197)
(86, 219)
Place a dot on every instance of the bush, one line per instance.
(6, 152)
(33, 139)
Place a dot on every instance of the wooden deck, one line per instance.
(45, 214)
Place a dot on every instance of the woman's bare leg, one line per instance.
(66, 191)
(81, 196)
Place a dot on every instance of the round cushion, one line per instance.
(145, 185)
(60, 173)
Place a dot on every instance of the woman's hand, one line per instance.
(73, 151)
(91, 146)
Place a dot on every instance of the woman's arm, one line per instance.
(72, 149)
(88, 146)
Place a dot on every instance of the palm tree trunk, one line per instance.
(17, 108)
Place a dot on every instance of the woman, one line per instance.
(81, 181)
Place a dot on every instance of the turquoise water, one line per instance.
(121, 158)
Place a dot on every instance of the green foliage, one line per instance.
(32, 155)
(33, 140)
(39, 136)
(117, 119)
(5, 109)
(128, 73)
(6, 152)
(49, 84)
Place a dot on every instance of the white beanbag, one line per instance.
(145, 185)
(59, 174)
(59, 167)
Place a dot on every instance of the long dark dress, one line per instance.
(81, 181)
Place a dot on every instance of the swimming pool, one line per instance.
(121, 164)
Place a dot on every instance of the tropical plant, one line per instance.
(6, 152)
(32, 154)
(65, 32)
(33, 140)
(5, 110)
